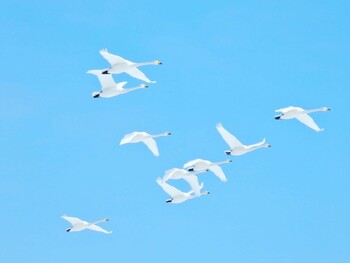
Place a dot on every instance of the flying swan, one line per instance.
(109, 87)
(237, 148)
(301, 115)
(120, 65)
(144, 137)
(199, 165)
(189, 177)
(176, 195)
(79, 225)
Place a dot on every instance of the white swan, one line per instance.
(109, 87)
(199, 165)
(189, 177)
(237, 148)
(144, 137)
(79, 225)
(176, 195)
(301, 115)
(120, 65)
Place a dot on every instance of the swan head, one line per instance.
(167, 133)
(96, 94)
(228, 152)
(144, 86)
(157, 62)
(105, 72)
(105, 219)
(168, 200)
(206, 193)
(68, 229)
(268, 145)
(326, 109)
(229, 161)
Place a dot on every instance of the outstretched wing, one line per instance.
(73, 220)
(308, 121)
(217, 170)
(170, 190)
(112, 59)
(192, 163)
(283, 110)
(231, 140)
(192, 179)
(99, 229)
(152, 145)
(106, 80)
(128, 137)
(138, 74)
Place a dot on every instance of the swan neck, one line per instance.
(314, 110)
(159, 135)
(144, 63)
(96, 222)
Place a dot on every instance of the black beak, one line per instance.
(105, 72)
(190, 170)
(277, 117)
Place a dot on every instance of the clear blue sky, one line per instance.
(233, 62)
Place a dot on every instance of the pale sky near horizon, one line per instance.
(233, 62)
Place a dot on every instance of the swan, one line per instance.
(144, 137)
(176, 195)
(237, 148)
(198, 165)
(120, 65)
(189, 177)
(301, 115)
(109, 87)
(79, 225)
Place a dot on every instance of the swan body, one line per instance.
(178, 196)
(237, 148)
(301, 115)
(189, 177)
(109, 87)
(199, 165)
(121, 65)
(79, 225)
(144, 137)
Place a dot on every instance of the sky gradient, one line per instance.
(233, 62)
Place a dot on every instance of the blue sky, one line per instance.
(233, 62)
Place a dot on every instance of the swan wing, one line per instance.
(112, 59)
(169, 189)
(73, 220)
(283, 110)
(231, 140)
(308, 121)
(193, 182)
(120, 85)
(128, 138)
(217, 170)
(191, 163)
(169, 173)
(152, 145)
(106, 80)
(200, 188)
(99, 229)
(138, 74)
